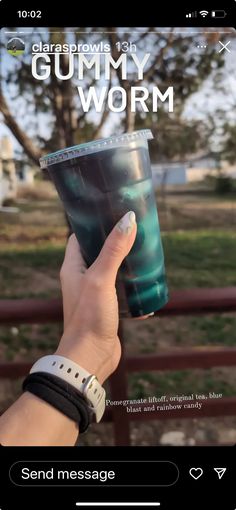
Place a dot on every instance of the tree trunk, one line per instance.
(130, 116)
(32, 151)
(69, 113)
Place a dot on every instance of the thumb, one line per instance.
(116, 247)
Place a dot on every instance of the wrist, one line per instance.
(84, 353)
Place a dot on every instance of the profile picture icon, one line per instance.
(15, 46)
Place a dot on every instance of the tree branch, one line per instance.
(115, 55)
(84, 113)
(104, 115)
(159, 57)
(143, 35)
(30, 148)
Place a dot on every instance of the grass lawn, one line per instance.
(199, 239)
(193, 259)
(200, 258)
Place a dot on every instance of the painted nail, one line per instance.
(125, 225)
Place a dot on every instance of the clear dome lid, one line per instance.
(94, 146)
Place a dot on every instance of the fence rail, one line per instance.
(178, 359)
(183, 302)
(212, 408)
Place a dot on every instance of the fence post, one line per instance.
(119, 391)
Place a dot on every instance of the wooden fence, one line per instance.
(183, 302)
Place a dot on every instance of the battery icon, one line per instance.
(218, 14)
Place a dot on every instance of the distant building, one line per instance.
(201, 167)
(13, 172)
(8, 179)
(25, 173)
(203, 162)
(193, 170)
(168, 174)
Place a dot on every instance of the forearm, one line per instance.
(31, 421)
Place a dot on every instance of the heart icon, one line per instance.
(196, 473)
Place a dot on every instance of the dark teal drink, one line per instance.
(98, 182)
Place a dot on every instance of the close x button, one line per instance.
(93, 473)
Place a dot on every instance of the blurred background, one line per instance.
(193, 158)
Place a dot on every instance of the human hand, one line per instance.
(90, 303)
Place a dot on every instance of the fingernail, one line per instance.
(150, 314)
(125, 225)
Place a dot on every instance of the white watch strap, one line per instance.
(78, 377)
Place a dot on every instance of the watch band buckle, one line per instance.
(95, 395)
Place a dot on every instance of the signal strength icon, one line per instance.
(204, 13)
(191, 14)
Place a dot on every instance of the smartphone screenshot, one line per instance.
(117, 259)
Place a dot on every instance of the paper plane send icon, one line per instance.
(220, 472)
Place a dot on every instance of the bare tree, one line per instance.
(127, 84)
(55, 97)
(58, 100)
(25, 141)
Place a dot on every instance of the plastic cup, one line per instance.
(98, 182)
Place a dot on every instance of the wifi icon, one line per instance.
(204, 13)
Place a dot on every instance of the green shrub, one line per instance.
(224, 184)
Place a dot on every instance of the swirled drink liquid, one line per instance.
(98, 182)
